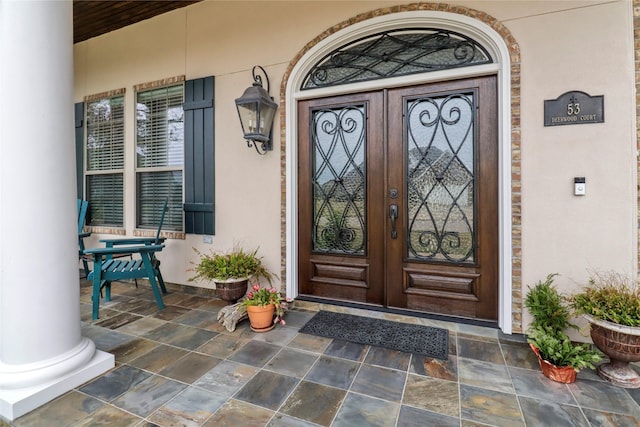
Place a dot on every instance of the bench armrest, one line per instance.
(123, 250)
(131, 241)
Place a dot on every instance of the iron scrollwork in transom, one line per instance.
(396, 53)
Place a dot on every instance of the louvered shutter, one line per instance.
(199, 156)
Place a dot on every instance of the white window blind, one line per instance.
(160, 156)
(105, 161)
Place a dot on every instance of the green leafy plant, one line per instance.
(609, 296)
(261, 296)
(547, 306)
(551, 317)
(237, 263)
(557, 348)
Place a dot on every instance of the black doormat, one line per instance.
(424, 340)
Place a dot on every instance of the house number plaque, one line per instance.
(574, 108)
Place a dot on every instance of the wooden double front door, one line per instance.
(398, 198)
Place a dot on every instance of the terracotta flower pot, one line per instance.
(561, 374)
(261, 317)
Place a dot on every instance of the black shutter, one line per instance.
(199, 156)
(79, 119)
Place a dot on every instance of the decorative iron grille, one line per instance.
(396, 53)
(339, 186)
(440, 177)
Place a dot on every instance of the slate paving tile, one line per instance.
(267, 389)
(313, 402)
(292, 362)
(137, 306)
(432, 394)
(118, 320)
(520, 356)
(115, 383)
(282, 420)
(189, 368)
(534, 384)
(365, 411)
(109, 416)
(237, 413)
(604, 396)
(170, 312)
(436, 368)
(148, 395)
(280, 335)
(310, 343)
(480, 350)
(388, 358)
(608, 419)
(255, 353)
(65, 410)
(540, 412)
(346, 350)
(158, 358)
(333, 372)
(484, 374)
(192, 407)
(490, 407)
(297, 319)
(180, 335)
(414, 417)
(141, 326)
(133, 349)
(197, 318)
(226, 377)
(383, 383)
(222, 346)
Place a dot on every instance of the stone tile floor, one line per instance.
(180, 367)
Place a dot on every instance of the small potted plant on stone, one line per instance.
(560, 359)
(611, 304)
(230, 271)
(261, 304)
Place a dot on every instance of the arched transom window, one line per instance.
(396, 53)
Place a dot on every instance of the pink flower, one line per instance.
(272, 289)
(256, 287)
(282, 322)
(249, 294)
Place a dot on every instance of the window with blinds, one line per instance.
(160, 156)
(105, 161)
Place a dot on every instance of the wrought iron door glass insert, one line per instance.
(440, 177)
(396, 53)
(339, 185)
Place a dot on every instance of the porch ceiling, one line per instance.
(92, 18)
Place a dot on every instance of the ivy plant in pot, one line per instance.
(230, 271)
(261, 304)
(560, 359)
(611, 304)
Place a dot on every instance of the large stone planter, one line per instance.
(622, 345)
(231, 290)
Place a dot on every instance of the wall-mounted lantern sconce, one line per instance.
(257, 110)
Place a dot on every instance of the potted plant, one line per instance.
(261, 304)
(611, 304)
(230, 271)
(560, 359)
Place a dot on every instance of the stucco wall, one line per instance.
(564, 45)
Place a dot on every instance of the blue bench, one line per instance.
(106, 269)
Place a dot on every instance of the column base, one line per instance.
(16, 402)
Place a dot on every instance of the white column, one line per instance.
(42, 352)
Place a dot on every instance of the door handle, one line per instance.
(393, 214)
